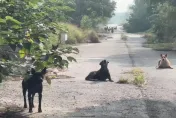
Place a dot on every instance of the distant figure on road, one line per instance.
(112, 30)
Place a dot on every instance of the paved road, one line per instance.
(160, 92)
(76, 98)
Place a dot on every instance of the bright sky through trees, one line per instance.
(122, 5)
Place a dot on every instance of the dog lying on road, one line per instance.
(102, 74)
(164, 62)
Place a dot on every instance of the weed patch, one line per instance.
(123, 81)
(137, 76)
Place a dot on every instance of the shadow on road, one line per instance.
(128, 108)
(12, 112)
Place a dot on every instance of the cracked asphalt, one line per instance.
(77, 98)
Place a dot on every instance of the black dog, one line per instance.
(34, 85)
(102, 74)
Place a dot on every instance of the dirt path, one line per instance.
(76, 98)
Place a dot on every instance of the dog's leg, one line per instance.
(30, 102)
(109, 77)
(158, 64)
(33, 100)
(40, 101)
(24, 95)
(171, 68)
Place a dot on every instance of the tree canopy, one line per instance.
(158, 16)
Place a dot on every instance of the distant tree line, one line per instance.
(155, 16)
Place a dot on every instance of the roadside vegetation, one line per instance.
(156, 19)
(135, 76)
(31, 30)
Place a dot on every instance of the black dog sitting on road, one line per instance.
(102, 74)
(34, 85)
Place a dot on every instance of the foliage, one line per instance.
(97, 10)
(161, 46)
(86, 22)
(156, 15)
(138, 20)
(32, 29)
(151, 38)
(164, 22)
(27, 25)
(123, 81)
(75, 34)
(139, 78)
(92, 37)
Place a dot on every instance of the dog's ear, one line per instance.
(106, 61)
(161, 55)
(32, 70)
(101, 62)
(165, 55)
(44, 71)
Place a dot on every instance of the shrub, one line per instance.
(161, 46)
(75, 34)
(86, 22)
(93, 37)
(137, 71)
(150, 37)
(71, 41)
(139, 80)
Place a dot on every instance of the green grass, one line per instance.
(152, 42)
(139, 80)
(137, 71)
(77, 35)
(92, 36)
(123, 81)
(161, 46)
(138, 77)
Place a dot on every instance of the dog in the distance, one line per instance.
(164, 62)
(102, 74)
(33, 84)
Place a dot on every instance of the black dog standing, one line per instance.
(102, 74)
(34, 85)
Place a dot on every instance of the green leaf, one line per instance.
(9, 18)
(65, 63)
(16, 27)
(2, 20)
(41, 46)
(22, 53)
(71, 59)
